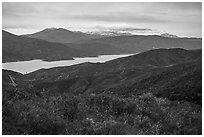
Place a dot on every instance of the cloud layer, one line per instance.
(183, 19)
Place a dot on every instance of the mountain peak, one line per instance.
(169, 35)
(56, 29)
(60, 35)
(51, 28)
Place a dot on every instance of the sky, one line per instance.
(181, 19)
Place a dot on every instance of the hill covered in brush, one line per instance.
(154, 92)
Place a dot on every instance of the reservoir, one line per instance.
(33, 65)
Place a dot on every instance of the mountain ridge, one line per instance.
(61, 35)
(86, 48)
(25, 48)
(19, 48)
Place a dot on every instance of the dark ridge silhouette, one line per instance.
(159, 57)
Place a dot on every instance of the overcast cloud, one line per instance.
(182, 19)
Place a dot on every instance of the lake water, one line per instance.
(33, 65)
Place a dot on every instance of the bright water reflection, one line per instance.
(33, 65)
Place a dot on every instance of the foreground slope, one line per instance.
(149, 59)
(147, 70)
(123, 96)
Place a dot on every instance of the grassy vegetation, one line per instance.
(98, 114)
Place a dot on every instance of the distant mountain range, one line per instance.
(17, 48)
(61, 35)
(61, 44)
(139, 43)
(20, 48)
